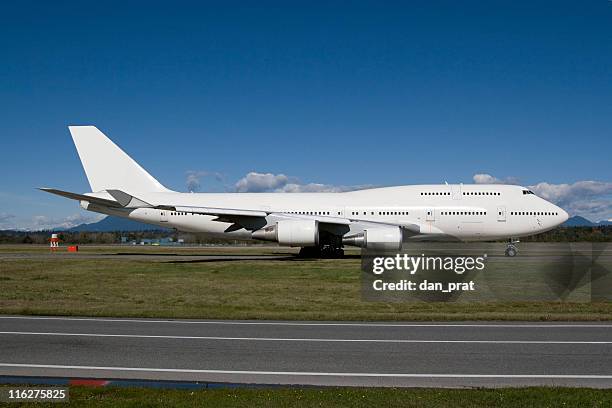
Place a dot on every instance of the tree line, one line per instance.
(560, 234)
(107, 238)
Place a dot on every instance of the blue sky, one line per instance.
(335, 93)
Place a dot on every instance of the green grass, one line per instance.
(268, 289)
(153, 249)
(337, 397)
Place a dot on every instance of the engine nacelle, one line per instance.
(302, 233)
(376, 238)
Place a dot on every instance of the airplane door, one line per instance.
(501, 214)
(456, 191)
(163, 216)
(429, 214)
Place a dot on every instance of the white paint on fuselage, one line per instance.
(464, 212)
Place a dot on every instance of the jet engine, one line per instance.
(376, 238)
(302, 233)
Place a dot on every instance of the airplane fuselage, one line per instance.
(453, 212)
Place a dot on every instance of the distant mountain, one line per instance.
(111, 223)
(578, 221)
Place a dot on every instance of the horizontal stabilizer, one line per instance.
(82, 197)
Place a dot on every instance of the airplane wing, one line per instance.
(255, 219)
(240, 218)
(221, 212)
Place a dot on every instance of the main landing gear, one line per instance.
(325, 251)
(511, 249)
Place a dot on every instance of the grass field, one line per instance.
(337, 397)
(244, 289)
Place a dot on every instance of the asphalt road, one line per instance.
(314, 353)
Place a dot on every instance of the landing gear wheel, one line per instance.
(310, 252)
(331, 252)
(326, 251)
(511, 251)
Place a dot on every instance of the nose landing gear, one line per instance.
(511, 249)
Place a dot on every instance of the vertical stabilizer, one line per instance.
(107, 166)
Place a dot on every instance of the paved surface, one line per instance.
(318, 353)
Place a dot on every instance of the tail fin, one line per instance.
(109, 167)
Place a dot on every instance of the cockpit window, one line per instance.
(527, 192)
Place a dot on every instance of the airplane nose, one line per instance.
(564, 215)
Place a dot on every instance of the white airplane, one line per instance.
(321, 223)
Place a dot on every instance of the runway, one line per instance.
(479, 354)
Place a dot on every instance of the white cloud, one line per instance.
(194, 176)
(484, 178)
(565, 193)
(43, 222)
(313, 188)
(589, 199)
(6, 220)
(255, 182)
